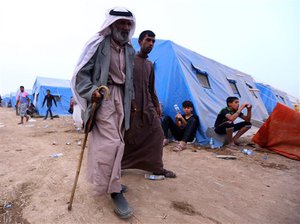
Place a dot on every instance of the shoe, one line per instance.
(124, 188)
(122, 208)
(167, 173)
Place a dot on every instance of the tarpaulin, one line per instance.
(281, 132)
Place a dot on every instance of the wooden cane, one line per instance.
(94, 106)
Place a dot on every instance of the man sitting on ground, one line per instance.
(225, 121)
(184, 128)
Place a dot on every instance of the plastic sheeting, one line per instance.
(59, 88)
(272, 96)
(280, 132)
(176, 80)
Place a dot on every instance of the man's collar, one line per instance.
(142, 55)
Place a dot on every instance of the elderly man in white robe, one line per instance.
(107, 60)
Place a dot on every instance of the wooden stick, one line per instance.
(94, 106)
(81, 157)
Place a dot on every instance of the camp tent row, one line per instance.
(59, 88)
(271, 96)
(181, 74)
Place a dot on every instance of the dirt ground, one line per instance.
(35, 188)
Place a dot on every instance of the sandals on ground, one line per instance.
(179, 148)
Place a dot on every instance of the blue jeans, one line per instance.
(48, 111)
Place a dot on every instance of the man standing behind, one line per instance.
(23, 100)
(225, 121)
(107, 60)
(143, 141)
(49, 98)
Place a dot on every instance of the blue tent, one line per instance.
(272, 96)
(13, 98)
(181, 74)
(6, 100)
(59, 88)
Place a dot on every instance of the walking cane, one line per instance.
(105, 92)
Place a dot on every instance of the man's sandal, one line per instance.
(166, 173)
(124, 188)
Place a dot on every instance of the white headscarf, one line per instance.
(112, 15)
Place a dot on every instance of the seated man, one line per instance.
(184, 128)
(225, 121)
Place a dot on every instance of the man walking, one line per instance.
(107, 60)
(144, 139)
(23, 102)
(49, 98)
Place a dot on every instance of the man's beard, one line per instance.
(121, 37)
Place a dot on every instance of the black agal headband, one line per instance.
(118, 13)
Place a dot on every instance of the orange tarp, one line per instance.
(281, 132)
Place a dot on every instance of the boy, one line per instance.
(184, 128)
(225, 121)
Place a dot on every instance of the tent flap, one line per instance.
(280, 132)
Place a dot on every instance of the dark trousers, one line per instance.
(221, 129)
(48, 111)
(186, 134)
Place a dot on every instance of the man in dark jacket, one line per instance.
(49, 99)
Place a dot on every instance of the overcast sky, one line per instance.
(258, 37)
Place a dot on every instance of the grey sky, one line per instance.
(258, 37)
